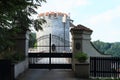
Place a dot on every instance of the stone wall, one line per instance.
(20, 68)
(81, 36)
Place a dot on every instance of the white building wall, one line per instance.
(55, 26)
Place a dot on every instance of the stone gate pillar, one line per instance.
(80, 35)
(21, 43)
(21, 47)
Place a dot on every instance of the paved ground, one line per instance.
(44, 74)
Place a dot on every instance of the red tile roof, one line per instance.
(52, 13)
(81, 27)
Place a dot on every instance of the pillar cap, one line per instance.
(81, 28)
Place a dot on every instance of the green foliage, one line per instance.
(81, 56)
(15, 17)
(6, 38)
(12, 10)
(14, 56)
(32, 40)
(8, 9)
(108, 48)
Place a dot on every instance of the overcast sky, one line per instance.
(102, 16)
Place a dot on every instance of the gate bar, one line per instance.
(50, 51)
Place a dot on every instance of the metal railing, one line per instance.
(105, 67)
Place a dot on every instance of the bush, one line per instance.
(15, 57)
(81, 56)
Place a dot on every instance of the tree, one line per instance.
(114, 50)
(11, 8)
(32, 40)
(108, 48)
(15, 16)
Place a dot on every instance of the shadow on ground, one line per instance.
(45, 74)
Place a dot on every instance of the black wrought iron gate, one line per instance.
(50, 60)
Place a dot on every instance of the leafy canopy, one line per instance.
(108, 48)
(15, 16)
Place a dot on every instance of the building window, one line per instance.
(53, 47)
(55, 15)
(49, 15)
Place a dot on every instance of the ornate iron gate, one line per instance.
(51, 58)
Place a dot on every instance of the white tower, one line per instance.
(57, 25)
